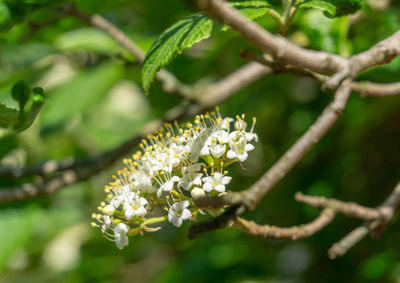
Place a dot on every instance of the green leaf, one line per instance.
(21, 92)
(187, 32)
(7, 116)
(30, 102)
(332, 8)
(328, 9)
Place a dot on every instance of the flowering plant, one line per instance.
(175, 166)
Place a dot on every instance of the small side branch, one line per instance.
(350, 209)
(294, 233)
(370, 89)
(375, 226)
(381, 53)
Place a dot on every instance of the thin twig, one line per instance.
(387, 210)
(370, 89)
(350, 209)
(363, 88)
(294, 233)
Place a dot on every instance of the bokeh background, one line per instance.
(95, 102)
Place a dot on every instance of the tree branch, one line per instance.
(286, 52)
(381, 53)
(351, 209)
(364, 88)
(370, 89)
(294, 233)
(377, 226)
(277, 46)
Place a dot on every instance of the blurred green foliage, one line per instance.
(94, 102)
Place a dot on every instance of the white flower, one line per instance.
(135, 206)
(175, 152)
(116, 201)
(216, 182)
(120, 193)
(168, 161)
(221, 135)
(205, 150)
(179, 212)
(190, 177)
(225, 123)
(143, 183)
(250, 136)
(106, 222)
(168, 185)
(120, 237)
(238, 147)
(217, 149)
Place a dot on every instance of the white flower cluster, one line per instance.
(175, 166)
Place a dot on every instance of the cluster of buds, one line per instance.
(174, 166)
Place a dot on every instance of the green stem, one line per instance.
(148, 221)
(288, 15)
(343, 33)
(155, 220)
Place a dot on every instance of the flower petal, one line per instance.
(121, 241)
(231, 154)
(242, 157)
(207, 187)
(220, 188)
(140, 211)
(248, 147)
(186, 214)
(226, 180)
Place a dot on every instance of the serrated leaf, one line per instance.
(332, 8)
(187, 32)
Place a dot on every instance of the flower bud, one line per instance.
(197, 193)
(108, 210)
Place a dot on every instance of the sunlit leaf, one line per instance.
(187, 32)
(332, 8)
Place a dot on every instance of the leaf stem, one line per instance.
(277, 17)
(154, 220)
(288, 15)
